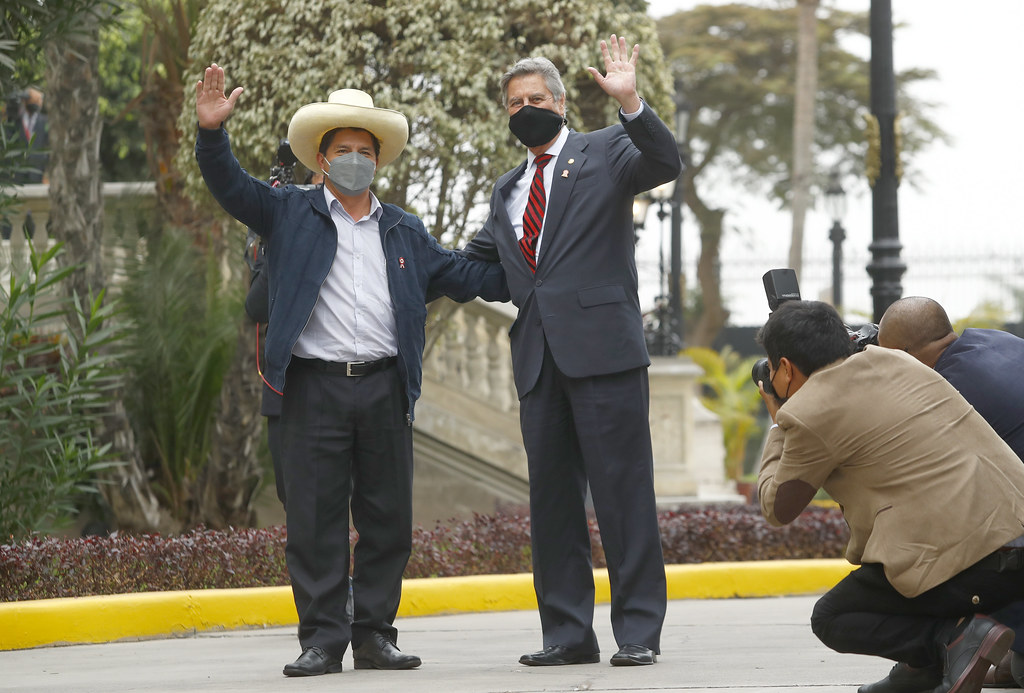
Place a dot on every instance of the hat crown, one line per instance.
(351, 97)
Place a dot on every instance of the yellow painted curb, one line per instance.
(154, 614)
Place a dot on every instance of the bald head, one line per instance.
(918, 326)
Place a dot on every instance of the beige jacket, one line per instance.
(926, 486)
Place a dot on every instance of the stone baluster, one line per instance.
(479, 384)
(500, 368)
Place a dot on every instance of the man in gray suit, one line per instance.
(561, 224)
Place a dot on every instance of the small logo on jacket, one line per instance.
(401, 263)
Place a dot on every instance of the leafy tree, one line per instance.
(180, 345)
(122, 146)
(736, 65)
(56, 377)
(436, 61)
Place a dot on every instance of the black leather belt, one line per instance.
(1002, 560)
(351, 369)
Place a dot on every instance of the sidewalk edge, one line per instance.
(84, 620)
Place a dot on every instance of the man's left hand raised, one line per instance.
(619, 80)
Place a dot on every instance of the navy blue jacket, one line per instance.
(984, 365)
(301, 241)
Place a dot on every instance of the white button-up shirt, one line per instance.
(354, 318)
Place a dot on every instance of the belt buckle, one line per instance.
(348, 367)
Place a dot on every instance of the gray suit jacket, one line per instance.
(583, 298)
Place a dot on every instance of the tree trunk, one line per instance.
(803, 125)
(232, 475)
(713, 314)
(76, 218)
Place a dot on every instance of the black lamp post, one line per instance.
(886, 268)
(662, 340)
(683, 112)
(835, 205)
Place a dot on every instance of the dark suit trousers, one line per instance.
(340, 438)
(593, 429)
(864, 614)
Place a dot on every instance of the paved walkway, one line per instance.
(743, 645)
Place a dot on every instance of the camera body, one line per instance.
(283, 172)
(780, 285)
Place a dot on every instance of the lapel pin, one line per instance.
(401, 263)
(572, 161)
(565, 173)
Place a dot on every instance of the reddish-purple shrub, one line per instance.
(46, 567)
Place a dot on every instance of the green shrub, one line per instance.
(181, 344)
(56, 376)
(40, 568)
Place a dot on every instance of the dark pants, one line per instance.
(864, 614)
(593, 429)
(340, 438)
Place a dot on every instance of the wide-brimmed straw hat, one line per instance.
(346, 108)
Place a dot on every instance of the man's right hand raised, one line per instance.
(212, 107)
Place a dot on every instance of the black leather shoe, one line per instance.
(905, 679)
(967, 658)
(557, 655)
(312, 662)
(633, 655)
(378, 652)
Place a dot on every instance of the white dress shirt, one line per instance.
(354, 318)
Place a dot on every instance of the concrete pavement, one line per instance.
(742, 645)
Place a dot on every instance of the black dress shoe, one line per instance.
(905, 679)
(633, 655)
(312, 662)
(968, 656)
(557, 655)
(378, 652)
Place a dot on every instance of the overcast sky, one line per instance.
(969, 200)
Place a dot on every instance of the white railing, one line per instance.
(125, 205)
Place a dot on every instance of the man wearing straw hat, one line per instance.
(348, 279)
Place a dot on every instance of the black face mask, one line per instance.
(535, 126)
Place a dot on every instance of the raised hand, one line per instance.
(619, 80)
(212, 107)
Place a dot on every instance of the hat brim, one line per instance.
(311, 122)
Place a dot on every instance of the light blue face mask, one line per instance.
(351, 173)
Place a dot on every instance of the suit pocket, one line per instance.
(600, 295)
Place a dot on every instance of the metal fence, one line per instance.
(961, 282)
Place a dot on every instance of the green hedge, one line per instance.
(47, 567)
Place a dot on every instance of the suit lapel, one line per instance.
(567, 168)
(501, 218)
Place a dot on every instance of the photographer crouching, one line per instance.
(933, 496)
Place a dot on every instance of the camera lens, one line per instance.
(761, 373)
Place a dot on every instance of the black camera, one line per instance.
(283, 172)
(780, 285)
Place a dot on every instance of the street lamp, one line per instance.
(641, 203)
(835, 205)
(663, 341)
(886, 268)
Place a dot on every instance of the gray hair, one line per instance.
(534, 66)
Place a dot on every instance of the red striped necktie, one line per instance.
(533, 219)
